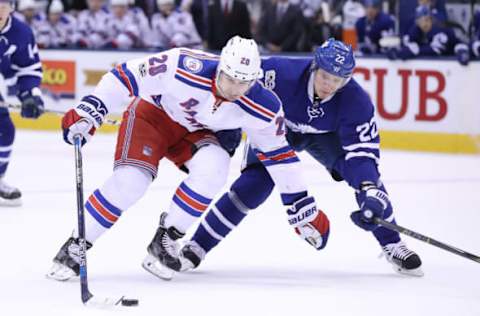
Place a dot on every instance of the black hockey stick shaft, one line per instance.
(86, 295)
(426, 239)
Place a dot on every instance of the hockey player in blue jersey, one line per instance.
(331, 117)
(20, 66)
(426, 38)
(372, 27)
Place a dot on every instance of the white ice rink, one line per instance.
(262, 268)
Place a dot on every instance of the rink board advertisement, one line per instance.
(426, 105)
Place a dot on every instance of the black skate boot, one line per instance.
(191, 256)
(66, 264)
(163, 258)
(403, 260)
(9, 196)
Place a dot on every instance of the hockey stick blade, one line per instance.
(426, 239)
(106, 302)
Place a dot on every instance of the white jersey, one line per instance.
(123, 31)
(181, 82)
(60, 34)
(175, 30)
(92, 27)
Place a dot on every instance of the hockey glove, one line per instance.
(32, 103)
(311, 224)
(229, 139)
(84, 119)
(476, 48)
(462, 54)
(375, 203)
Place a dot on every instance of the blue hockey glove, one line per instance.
(32, 103)
(375, 203)
(229, 139)
(309, 223)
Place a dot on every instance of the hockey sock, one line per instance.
(7, 135)
(186, 207)
(384, 235)
(224, 216)
(249, 191)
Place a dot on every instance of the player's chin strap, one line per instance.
(18, 107)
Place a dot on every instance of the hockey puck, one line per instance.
(129, 302)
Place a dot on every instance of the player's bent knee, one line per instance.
(210, 165)
(253, 187)
(127, 185)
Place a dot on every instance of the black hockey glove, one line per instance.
(32, 103)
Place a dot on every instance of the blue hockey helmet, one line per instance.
(334, 57)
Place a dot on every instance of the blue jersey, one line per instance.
(370, 33)
(438, 41)
(349, 114)
(19, 62)
(476, 26)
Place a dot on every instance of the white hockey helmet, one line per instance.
(119, 2)
(240, 59)
(56, 6)
(26, 4)
(163, 2)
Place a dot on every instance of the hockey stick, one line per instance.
(426, 239)
(19, 107)
(87, 297)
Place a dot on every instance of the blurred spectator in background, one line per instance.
(318, 30)
(407, 12)
(173, 28)
(199, 12)
(226, 18)
(74, 6)
(27, 11)
(58, 30)
(351, 11)
(476, 35)
(372, 27)
(141, 20)
(92, 25)
(122, 30)
(427, 39)
(281, 26)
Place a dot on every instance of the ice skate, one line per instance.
(403, 260)
(66, 263)
(191, 256)
(163, 253)
(9, 196)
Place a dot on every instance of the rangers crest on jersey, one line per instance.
(193, 65)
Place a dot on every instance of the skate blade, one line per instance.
(418, 272)
(59, 272)
(155, 267)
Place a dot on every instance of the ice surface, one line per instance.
(262, 268)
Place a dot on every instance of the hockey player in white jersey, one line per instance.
(174, 28)
(58, 30)
(92, 25)
(180, 103)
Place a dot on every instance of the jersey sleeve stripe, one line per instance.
(359, 154)
(126, 78)
(258, 107)
(362, 145)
